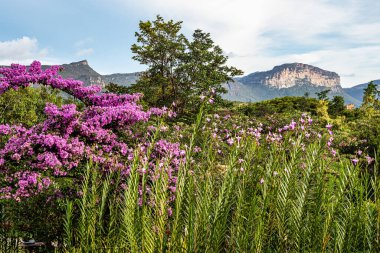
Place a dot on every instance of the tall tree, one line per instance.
(336, 106)
(370, 95)
(204, 67)
(161, 47)
(179, 69)
(322, 95)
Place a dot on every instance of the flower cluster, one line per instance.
(32, 158)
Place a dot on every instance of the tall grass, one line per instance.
(9, 238)
(281, 198)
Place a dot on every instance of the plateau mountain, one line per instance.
(291, 79)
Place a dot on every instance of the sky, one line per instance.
(336, 35)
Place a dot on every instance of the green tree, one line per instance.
(179, 70)
(322, 110)
(322, 95)
(116, 88)
(336, 106)
(26, 106)
(370, 95)
(161, 47)
(204, 68)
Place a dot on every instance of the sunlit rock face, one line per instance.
(291, 79)
(289, 75)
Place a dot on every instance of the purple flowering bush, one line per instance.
(33, 157)
(43, 164)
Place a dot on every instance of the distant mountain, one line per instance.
(122, 79)
(358, 90)
(293, 74)
(82, 71)
(292, 79)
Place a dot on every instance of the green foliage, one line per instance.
(29, 218)
(371, 97)
(362, 133)
(336, 106)
(179, 70)
(322, 95)
(285, 105)
(322, 110)
(279, 199)
(253, 198)
(26, 106)
(117, 89)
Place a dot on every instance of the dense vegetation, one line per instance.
(106, 172)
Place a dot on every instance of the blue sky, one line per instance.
(336, 35)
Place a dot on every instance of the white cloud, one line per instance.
(338, 35)
(23, 50)
(84, 51)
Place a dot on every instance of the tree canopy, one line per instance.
(179, 70)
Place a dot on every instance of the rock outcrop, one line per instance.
(293, 74)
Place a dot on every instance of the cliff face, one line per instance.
(82, 71)
(293, 79)
(294, 74)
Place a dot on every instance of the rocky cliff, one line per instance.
(82, 71)
(292, 79)
(294, 74)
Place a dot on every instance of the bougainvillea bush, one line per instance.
(48, 158)
(32, 157)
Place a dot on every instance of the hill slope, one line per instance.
(358, 90)
(292, 79)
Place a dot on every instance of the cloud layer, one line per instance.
(339, 35)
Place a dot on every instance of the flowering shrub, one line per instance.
(32, 157)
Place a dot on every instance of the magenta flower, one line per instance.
(369, 159)
(69, 138)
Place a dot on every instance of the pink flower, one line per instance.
(369, 159)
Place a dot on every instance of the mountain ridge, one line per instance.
(289, 79)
